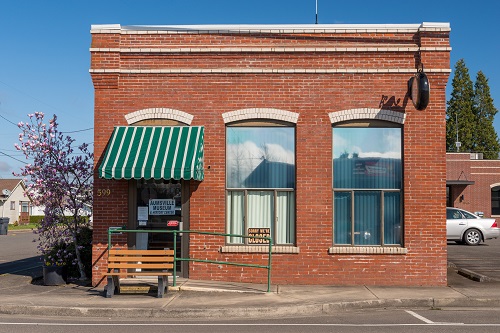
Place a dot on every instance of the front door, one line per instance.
(160, 207)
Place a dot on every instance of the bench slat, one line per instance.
(141, 252)
(141, 259)
(138, 274)
(146, 266)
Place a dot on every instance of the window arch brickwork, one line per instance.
(159, 113)
(367, 113)
(260, 113)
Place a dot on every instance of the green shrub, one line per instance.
(36, 219)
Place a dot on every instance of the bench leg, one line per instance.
(162, 285)
(110, 288)
(113, 286)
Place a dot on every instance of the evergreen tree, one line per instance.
(460, 111)
(486, 138)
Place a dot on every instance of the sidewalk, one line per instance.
(205, 299)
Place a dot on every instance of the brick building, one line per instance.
(304, 132)
(473, 184)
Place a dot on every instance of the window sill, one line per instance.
(259, 249)
(367, 250)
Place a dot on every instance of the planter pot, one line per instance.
(55, 275)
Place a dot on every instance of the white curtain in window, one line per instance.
(286, 218)
(260, 209)
(235, 208)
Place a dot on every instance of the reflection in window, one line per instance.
(495, 200)
(260, 182)
(367, 176)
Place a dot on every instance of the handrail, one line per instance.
(117, 230)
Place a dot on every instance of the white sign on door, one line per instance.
(161, 207)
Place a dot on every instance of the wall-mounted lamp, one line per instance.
(419, 89)
(461, 198)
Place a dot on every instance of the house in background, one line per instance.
(14, 204)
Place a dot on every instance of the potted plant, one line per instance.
(55, 263)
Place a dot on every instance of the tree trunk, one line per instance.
(81, 269)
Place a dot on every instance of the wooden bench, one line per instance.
(138, 263)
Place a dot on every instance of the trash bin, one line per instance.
(4, 225)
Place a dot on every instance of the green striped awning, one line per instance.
(136, 152)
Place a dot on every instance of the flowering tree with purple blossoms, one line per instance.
(59, 179)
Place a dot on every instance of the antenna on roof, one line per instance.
(316, 11)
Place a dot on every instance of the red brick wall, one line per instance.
(484, 174)
(313, 96)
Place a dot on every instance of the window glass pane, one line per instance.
(260, 157)
(285, 213)
(495, 200)
(342, 217)
(235, 206)
(367, 158)
(468, 216)
(392, 218)
(367, 218)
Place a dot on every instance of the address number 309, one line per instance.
(103, 192)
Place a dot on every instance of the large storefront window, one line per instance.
(367, 177)
(260, 182)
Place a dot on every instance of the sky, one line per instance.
(45, 58)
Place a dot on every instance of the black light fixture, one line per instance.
(419, 89)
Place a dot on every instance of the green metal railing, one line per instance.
(118, 230)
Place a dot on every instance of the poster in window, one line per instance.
(259, 232)
(161, 207)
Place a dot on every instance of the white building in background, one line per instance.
(14, 204)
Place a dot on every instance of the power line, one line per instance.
(34, 98)
(65, 132)
(24, 162)
(8, 120)
(82, 130)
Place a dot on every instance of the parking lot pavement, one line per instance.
(483, 259)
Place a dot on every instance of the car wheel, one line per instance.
(472, 237)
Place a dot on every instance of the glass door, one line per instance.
(159, 208)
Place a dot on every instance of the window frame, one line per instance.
(381, 242)
(257, 123)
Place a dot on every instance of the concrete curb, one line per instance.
(471, 275)
(250, 312)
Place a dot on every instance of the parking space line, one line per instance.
(416, 315)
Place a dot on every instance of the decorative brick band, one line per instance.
(367, 113)
(159, 113)
(250, 49)
(260, 113)
(267, 71)
(367, 250)
(259, 249)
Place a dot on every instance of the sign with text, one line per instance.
(172, 223)
(161, 207)
(259, 232)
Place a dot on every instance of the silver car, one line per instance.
(465, 227)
